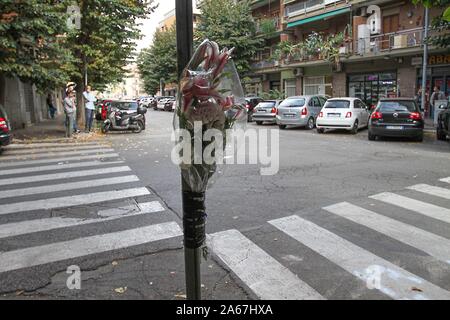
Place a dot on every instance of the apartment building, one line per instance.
(366, 49)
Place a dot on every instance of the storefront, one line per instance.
(371, 87)
(438, 73)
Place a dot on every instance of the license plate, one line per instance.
(289, 115)
(334, 115)
(394, 127)
(261, 111)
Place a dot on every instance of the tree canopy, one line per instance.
(159, 61)
(230, 24)
(441, 24)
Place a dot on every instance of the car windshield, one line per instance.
(337, 104)
(398, 106)
(128, 106)
(293, 103)
(266, 105)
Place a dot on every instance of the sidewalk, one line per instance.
(52, 131)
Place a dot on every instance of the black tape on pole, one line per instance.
(194, 219)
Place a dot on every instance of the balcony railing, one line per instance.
(304, 7)
(388, 42)
(268, 25)
(264, 64)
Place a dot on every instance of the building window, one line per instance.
(290, 87)
(317, 85)
(372, 87)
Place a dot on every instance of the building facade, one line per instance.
(366, 49)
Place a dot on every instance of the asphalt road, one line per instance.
(333, 216)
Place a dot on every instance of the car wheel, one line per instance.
(282, 126)
(105, 127)
(311, 123)
(440, 135)
(320, 130)
(259, 123)
(355, 127)
(372, 137)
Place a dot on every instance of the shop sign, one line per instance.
(439, 59)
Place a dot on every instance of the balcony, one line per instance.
(264, 64)
(268, 26)
(389, 42)
(307, 6)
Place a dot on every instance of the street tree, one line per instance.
(159, 61)
(32, 42)
(230, 24)
(441, 24)
(105, 42)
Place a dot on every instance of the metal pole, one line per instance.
(425, 60)
(184, 25)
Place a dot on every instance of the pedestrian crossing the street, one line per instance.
(40, 197)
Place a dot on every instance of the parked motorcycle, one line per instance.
(119, 120)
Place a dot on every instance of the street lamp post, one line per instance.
(193, 207)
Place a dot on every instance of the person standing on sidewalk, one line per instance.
(436, 96)
(51, 106)
(89, 107)
(69, 110)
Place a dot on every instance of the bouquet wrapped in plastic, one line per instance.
(210, 99)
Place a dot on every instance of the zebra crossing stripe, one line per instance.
(49, 145)
(39, 225)
(60, 251)
(63, 175)
(52, 154)
(32, 152)
(424, 208)
(392, 281)
(71, 201)
(57, 167)
(446, 180)
(434, 245)
(57, 160)
(66, 186)
(265, 276)
(434, 191)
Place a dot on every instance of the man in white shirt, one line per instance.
(89, 107)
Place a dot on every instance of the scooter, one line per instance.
(120, 121)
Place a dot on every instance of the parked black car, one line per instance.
(5, 128)
(398, 117)
(443, 122)
(252, 102)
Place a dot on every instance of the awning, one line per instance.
(319, 17)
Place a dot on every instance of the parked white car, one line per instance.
(343, 113)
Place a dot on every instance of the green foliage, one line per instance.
(105, 43)
(159, 61)
(230, 24)
(441, 24)
(273, 95)
(31, 42)
(267, 27)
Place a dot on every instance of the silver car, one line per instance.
(300, 111)
(266, 111)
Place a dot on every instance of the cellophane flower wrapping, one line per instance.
(210, 96)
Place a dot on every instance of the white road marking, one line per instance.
(4, 194)
(35, 256)
(32, 152)
(49, 145)
(265, 276)
(57, 160)
(430, 243)
(57, 167)
(71, 201)
(39, 225)
(424, 208)
(447, 180)
(63, 175)
(50, 154)
(393, 281)
(434, 191)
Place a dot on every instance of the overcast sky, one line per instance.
(150, 25)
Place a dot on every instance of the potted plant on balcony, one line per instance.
(313, 44)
